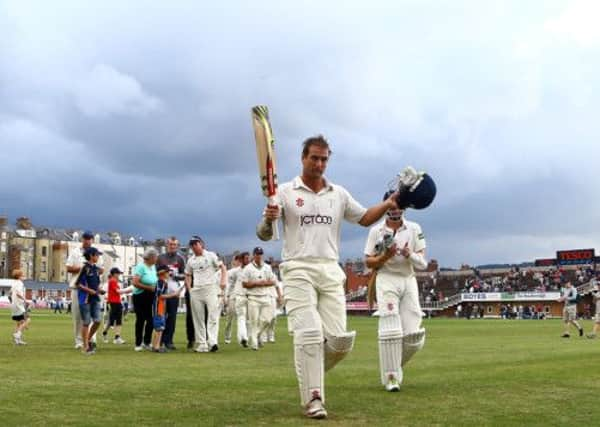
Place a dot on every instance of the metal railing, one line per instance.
(584, 289)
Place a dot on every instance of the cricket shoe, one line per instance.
(119, 341)
(138, 348)
(21, 342)
(392, 385)
(591, 336)
(271, 339)
(16, 337)
(244, 343)
(214, 348)
(201, 349)
(78, 345)
(315, 410)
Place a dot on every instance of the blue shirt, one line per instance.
(147, 276)
(90, 278)
(158, 309)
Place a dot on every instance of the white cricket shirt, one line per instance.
(252, 273)
(203, 268)
(231, 279)
(76, 259)
(17, 305)
(312, 221)
(409, 232)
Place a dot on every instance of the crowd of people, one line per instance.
(249, 293)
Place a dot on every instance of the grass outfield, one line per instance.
(478, 372)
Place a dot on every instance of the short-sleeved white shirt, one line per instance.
(235, 277)
(17, 305)
(203, 268)
(231, 278)
(252, 273)
(409, 232)
(76, 259)
(312, 221)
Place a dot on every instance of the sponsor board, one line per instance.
(575, 257)
(509, 296)
(359, 306)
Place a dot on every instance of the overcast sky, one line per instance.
(134, 116)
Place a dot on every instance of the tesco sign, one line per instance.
(575, 256)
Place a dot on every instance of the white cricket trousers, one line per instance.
(205, 298)
(76, 314)
(229, 317)
(260, 314)
(241, 312)
(314, 295)
(399, 295)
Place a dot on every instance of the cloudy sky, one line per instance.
(134, 116)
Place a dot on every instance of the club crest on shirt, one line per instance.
(299, 202)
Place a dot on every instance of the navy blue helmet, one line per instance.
(418, 196)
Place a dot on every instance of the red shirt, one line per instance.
(113, 295)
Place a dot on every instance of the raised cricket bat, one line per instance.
(265, 152)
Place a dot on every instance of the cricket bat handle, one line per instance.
(272, 202)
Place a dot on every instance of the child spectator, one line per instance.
(116, 308)
(19, 307)
(88, 285)
(159, 306)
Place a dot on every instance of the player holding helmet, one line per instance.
(394, 249)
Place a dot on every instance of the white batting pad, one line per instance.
(308, 357)
(411, 343)
(337, 347)
(390, 355)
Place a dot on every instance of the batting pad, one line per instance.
(411, 343)
(390, 355)
(337, 347)
(308, 358)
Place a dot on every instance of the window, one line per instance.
(44, 251)
(43, 267)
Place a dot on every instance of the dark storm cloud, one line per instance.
(116, 116)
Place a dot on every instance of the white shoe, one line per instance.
(21, 342)
(316, 410)
(393, 384)
(16, 337)
(201, 349)
(78, 345)
(138, 348)
(228, 341)
(119, 341)
(271, 339)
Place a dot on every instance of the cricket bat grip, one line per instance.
(274, 225)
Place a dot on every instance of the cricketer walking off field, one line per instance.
(394, 248)
(312, 210)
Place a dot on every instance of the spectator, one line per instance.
(144, 282)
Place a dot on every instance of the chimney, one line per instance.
(24, 223)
